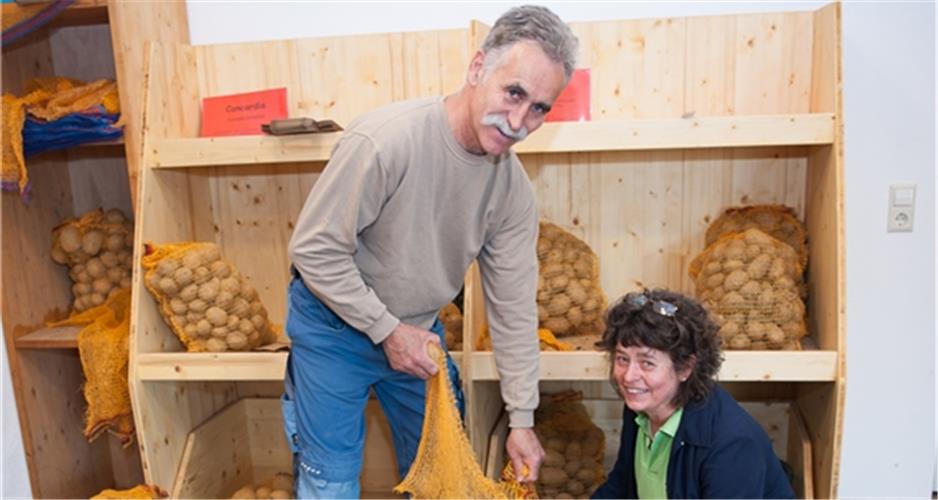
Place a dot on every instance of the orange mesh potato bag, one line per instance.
(143, 491)
(570, 300)
(208, 304)
(750, 283)
(445, 466)
(103, 350)
(778, 221)
(98, 250)
(574, 447)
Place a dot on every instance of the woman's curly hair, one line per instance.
(638, 321)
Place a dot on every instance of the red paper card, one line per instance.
(242, 114)
(573, 104)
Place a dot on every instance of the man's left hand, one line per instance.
(525, 450)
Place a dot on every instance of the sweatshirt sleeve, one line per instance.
(508, 264)
(346, 198)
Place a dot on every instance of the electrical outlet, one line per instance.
(901, 208)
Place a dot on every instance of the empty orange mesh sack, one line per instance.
(445, 466)
(103, 349)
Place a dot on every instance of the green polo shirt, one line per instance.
(653, 454)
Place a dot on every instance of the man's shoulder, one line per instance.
(394, 117)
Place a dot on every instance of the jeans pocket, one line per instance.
(308, 306)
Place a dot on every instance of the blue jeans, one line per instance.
(330, 370)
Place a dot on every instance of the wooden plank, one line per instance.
(203, 366)
(774, 366)
(164, 415)
(555, 137)
(62, 337)
(132, 25)
(799, 455)
(216, 460)
(190, 366)
(681, 133)
(65, 463)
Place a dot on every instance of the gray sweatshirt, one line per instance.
(393, 222)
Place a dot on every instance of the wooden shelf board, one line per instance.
(557, 137)
(205, 366)
(60, 337)
(738, 366)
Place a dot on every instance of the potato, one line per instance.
(262, 492)
(282, 481)
(168, 286)
(208, 291)
(553, 458)
(70, 239)
(587, 476)
(572, 467)
(167, 267)
(220, 269)
(215, 344)
(552, 476)
(246, 492)
(216, 316)
(59, 255)
(198, 305)
(183, 276)
(280, 494)
(101, 285)
(574, 487)
(114, 242)
(191, 261)
(95, 268)
(189, 293)
(574, 450)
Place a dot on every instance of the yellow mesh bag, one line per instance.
(778, 221)
(750, 282)
(570, 300)
(574, 447)
(102, 347)
(208, 304)
(98, 250)
(451, 319)
(548, 341)
(445, 466)
(49, 98)
(141, 491)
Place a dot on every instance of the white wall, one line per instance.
(889, 116)
(889, 85)
(14, 482)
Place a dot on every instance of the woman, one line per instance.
(683, 436)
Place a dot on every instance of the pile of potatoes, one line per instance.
(209, 304)
(778, 221)
(570, 300)
(451, 319)
(98, 249)
(751, 284)
(280, 486)
(574, 448)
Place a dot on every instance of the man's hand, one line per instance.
(524, 449)
(406, 349)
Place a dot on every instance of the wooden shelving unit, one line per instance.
(639, 184)
(44, 363)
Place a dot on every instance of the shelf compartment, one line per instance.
(556, 137)
(61, 337)
(209, 366)
(738, 366)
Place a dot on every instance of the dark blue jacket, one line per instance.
(719, 451)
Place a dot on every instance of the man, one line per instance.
(413, 192)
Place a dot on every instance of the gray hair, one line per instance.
(537, 24)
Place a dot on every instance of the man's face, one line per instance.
(512, 97)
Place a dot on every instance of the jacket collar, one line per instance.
(696, 425)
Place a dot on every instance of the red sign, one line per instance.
(242, 114)
(573, 104)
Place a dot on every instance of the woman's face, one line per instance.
(647, 380)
